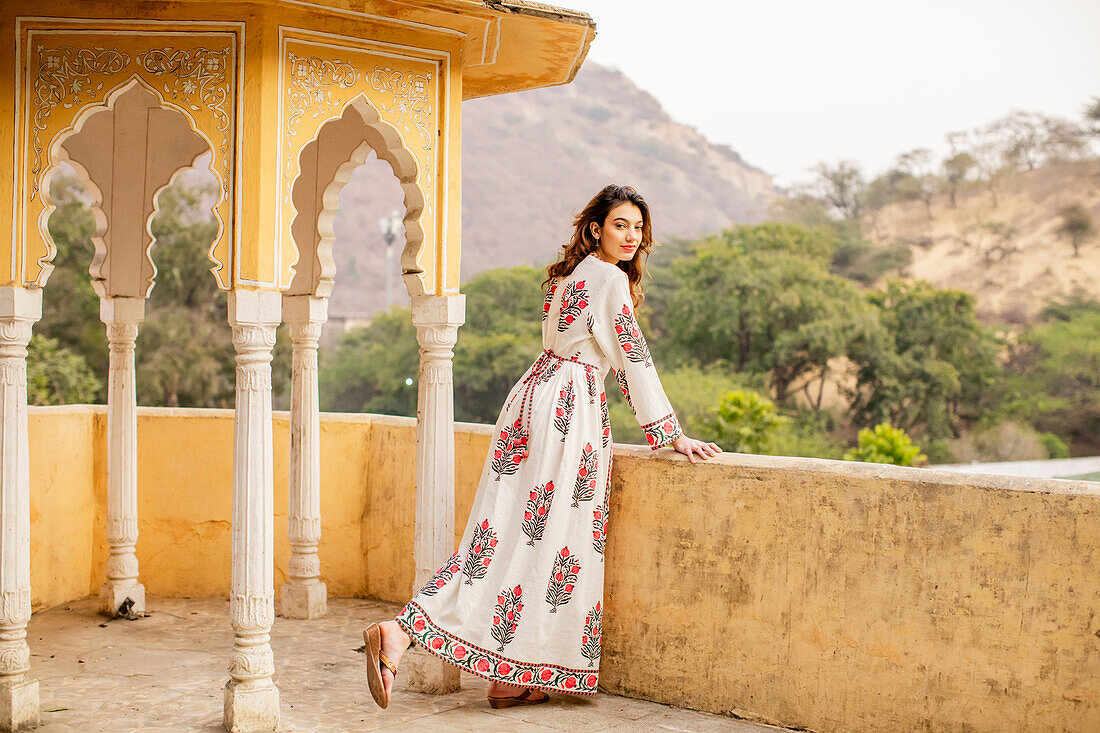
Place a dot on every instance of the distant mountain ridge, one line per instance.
(533, 158)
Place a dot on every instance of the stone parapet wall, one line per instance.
(817, 594)
(857, 597)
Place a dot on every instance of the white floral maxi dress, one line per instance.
(521, 600)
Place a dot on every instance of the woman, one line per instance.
(520, 603)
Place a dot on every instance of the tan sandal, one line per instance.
(524, 698)
(372, 645)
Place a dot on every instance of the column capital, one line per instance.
(21, 303)
(122, 310)
(305, 308)
(255, 307)
(439, 310)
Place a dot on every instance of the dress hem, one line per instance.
(491, 666)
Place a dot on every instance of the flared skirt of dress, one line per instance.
(521, 599)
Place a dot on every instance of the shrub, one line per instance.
(885, 444)
(1055, 446)
(58, 376)
(745, 422)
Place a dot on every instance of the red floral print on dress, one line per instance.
(605, 420)
(599, 529)
(489, 664)
(511, 446)
(660, 433)
(590, 641)
(537, 511)
(548, 369)
(482, 546)
(505, 621)
(630, 337)
(590, 380)
(624, 387)
(444, 574)
(548, 299)
(585, 487)
(562, 579)
(563, 410)
(573, 301)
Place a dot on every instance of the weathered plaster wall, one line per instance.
(64, 460)
(185, 490)
(821, 594)
(854, 597)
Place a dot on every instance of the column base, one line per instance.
(303, 601)
(19, 708)
(425, 673)
(250, 708)
(112, 596)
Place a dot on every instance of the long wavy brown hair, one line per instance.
(583, 243)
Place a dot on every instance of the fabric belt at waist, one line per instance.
(537, 376)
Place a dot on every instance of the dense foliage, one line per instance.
(786, 338)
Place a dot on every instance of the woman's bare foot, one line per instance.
(394, 643)
(500, 689)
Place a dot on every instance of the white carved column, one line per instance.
(251, 698)
(304, 595)
(19, 710)
(437, 319)
(122, 317)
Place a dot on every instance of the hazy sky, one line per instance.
(787, 83)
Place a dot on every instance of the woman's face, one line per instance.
(621, 233)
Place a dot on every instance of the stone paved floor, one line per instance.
(166, 672)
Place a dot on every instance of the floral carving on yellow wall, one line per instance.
(67, 77)
(308, 92)
(197, 76)
(409, 99)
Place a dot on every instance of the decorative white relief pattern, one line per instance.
(252, 612)
(13, 372)
(15, 657)
(198, 79)
(65, 76)
(252, 663)
(253, 378)
(409, 98)
(439, 372)
(15, 606)
(123, 567)
(310, 77)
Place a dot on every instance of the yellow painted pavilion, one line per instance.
(286, 97)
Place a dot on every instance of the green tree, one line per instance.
(885, 444)
(931, 367)
(1057, 367)
(746, 422)
(1076, 226)
(374, 369)
(692, 390)
(70, 308)
(57, 376)
(761, 300)
(371, 369)
(501, 338)
(843, 187)
(955, 171)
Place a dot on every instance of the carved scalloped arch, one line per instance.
(389, 145)
(57, 153)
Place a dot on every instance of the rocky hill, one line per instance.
(531, 159)
(1009, 254)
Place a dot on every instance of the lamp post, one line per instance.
(390, 225)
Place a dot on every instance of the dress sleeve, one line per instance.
(621, 341)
